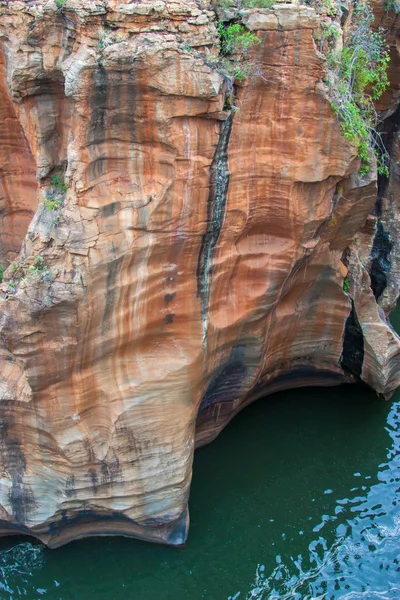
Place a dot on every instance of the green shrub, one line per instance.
(39, 263)
(59, 184)
(235, 38)
(331, 31)
(2, 269)
(258, 3)
(52, 203)
(240, 73)
(392, 5)
(359, 78)
(38, 267)
(346, 284)
(60, 4)
(326, 7)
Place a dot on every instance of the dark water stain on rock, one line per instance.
(70, 487)
(98, 106)
(20, 495)
(94, 480)
(113, 273)
(226, 383)
(169, 297)
(219, 181)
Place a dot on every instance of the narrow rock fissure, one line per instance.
(353, 345)
(219, 182)
(380, 260)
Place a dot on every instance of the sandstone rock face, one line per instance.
(192, 262)
(18, 201)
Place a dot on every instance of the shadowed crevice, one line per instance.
(380, 260)
(353, 345)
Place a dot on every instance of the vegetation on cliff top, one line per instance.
(235, 38)
(246, 3)
(357, 78)
(235, 42)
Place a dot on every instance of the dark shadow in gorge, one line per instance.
(287, 449)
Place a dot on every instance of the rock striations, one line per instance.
(177, 245)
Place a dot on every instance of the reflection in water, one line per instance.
(296, 499)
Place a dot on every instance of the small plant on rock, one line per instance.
(240, 73)
(55, 194)
(52, 203)
(36, 269)
(332, 222)
(187, 47)
(59, 184)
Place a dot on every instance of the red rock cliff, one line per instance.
(185, 257)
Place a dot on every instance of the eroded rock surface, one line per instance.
(193, 261)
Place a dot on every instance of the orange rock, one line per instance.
(18, 200)
(193, 263)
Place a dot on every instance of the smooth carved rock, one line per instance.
(194, 263)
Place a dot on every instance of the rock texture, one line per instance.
(193, 262)
(18, 200)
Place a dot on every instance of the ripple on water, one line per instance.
(363, 562)
(19, 562)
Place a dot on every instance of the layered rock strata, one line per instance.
(190, 241)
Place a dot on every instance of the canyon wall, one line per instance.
(177, 244)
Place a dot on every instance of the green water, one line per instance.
(297, 499)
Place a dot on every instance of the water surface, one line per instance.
(298, 498)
